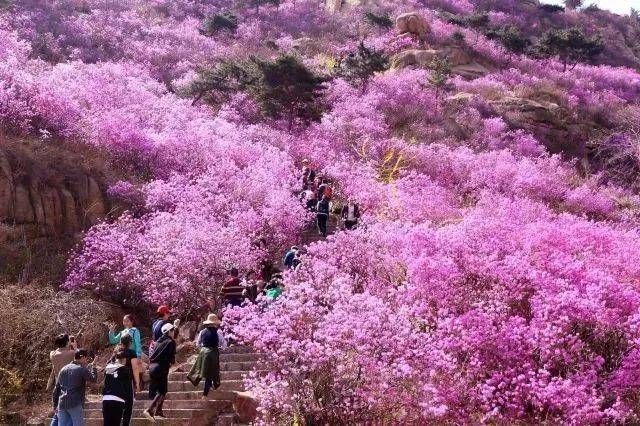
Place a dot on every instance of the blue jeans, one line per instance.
(73, 416)
(54, 420)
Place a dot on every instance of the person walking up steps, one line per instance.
(161, 360)
(322, 215)
(164, 317)
(117, 390)
(164, 313)
(132, 363)
(207, 365)
(308, 173)
(69, 393)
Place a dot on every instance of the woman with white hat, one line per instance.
(163, 356)
(207, 365)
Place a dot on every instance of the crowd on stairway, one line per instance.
(73, 367)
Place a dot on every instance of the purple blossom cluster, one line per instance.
(492, 279)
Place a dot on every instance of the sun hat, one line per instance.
(163, 310)
(167, 328)
(212, 319)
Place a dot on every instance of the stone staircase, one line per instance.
(310, 233)
(184, 405)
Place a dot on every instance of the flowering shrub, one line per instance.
(490, 281)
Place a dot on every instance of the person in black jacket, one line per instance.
(117, 389)
(164, 355)
(322, 214)
(350, 214)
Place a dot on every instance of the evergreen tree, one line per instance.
(287, 89)
(218, 22)
(382, 20)
(570, 46)
(511, 38)
(358, 67)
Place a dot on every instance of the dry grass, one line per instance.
(30, 318)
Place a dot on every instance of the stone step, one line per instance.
(218, 394)
(140, 421)
(226, 420)
(229, 385)
(173, 404)
(224, 375)
(169, 413)
(237, 349)
(224, 357)
(225, 366)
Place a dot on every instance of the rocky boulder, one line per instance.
(462, 62)
(412, 23)
(559, 130)
(42, 206)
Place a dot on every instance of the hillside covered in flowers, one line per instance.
(493, 147)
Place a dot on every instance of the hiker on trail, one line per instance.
(207, 365)
(350, 214)
(133, 364)
(322, 215)
(309, 198)
(161, 360)
(129, 328)
(328, 191)
(164, 313)
(117, 390)
(63, 355)
(230, 289)
(250, 287)
(321, 188)
(266, 273)
(274, 289)
(308, 173)
(69, 393)
(296, 261)
(289, 257)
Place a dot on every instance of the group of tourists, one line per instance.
(267, 281)
(317, 193)
(73, 368)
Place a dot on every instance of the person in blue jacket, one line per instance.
(289, 257)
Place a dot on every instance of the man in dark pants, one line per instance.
(350, 214)
(322, 214)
